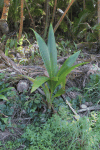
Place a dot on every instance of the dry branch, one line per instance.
(5, 9)
(60, 20)
(10, 63)
(68, 103)
(89, 109)
(30, 16)
(54, 10)
(21, 20)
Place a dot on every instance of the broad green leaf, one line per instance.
(6, 89)
(68, 63)
(52, 84)
(44, 52)
(3, 97)
(60, 92)
(52, 51)
(47, 93)
(66, 72)
(63, 82)
(38, 82)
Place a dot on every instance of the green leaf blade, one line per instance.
(60, 92)
(44, 52)
(52, 51)
(66, 72)
(47, 93)
(38, 82)
(3, 97)
(68, 63)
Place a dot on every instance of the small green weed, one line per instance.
(3, 87)
(64, 48)
(37, 109)
(11, 145)
(92, 90)
(57, 134)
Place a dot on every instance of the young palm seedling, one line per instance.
(55, 75)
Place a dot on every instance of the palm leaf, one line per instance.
(44, 52)
(38, 82)
(52, 51)
(66, 72)
(60, 92)
(68, 63)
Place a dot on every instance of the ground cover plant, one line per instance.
(46, 131)
(92, 90)
(3, 88)
(59, 132)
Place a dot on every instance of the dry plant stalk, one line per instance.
(98, 19)
(30, 15)
(83, 4)
(54, 11)
(89, 109)
(47, 18)
(60, 20)
(10, 63)
(5, 9)
(21, 20)
(77, 117)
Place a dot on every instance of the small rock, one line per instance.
(83, 106)
(22, 86)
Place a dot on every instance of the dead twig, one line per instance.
(10, 63)
(22, 119)
(54, 10)
(77, 117)
(21, 20)
(30, 15)
(89, 109)
(60, 20)
(3, 115)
